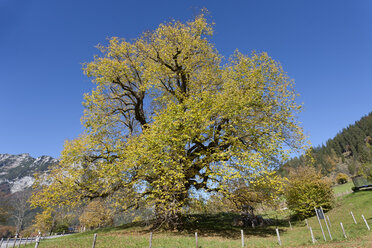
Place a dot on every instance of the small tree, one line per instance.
(96, 215)
(307, 189)
(341, 178)
(44, 222)
(52, 220)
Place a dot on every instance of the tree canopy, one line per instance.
(169, 116)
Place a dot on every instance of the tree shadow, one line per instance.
(362, 190)
(139, 225)
(222, 224)
(206, 225)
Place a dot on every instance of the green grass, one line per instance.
(343, 188)
(217, 231)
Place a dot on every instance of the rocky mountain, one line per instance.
(16, 171)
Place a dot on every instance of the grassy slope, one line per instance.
(216, 231)
(343, 188)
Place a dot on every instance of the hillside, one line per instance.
(350, 151)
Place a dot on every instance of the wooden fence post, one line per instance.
(325, 220)
(277, 234)
(353, 217)
(329, 222)
(7, 243)
(366, 222)
(312, 235)
(26, 241)
(290, 225)
(242, 233)
(307, 224)
(94, 240)
(320, 224)
(37, 241)
(343, 230)
(14, 243)
(196, 239)
(150, 245)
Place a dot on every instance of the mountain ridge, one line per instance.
(16, 171)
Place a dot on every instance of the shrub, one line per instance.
(61, 228)
(341, 178)
(7, 231)
(44, 222)
(29, 231)
(307, 189)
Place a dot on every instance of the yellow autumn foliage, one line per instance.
(96, 214)
(306, 189)
(170, 115)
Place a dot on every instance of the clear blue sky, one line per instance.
(325, 46)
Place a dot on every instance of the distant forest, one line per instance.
(349, 152)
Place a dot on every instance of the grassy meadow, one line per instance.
(343, 188)
(217, 230)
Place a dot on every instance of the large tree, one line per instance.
(169, 116)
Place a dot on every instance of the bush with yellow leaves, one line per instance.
(341, 178)
(307, 189)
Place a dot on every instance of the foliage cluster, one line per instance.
(341, 178)
(7, 231)
(44, 222)
(95, 215)
(306, 189)
(53, 220)
(61, 228)
(366, 171)
(263, 190)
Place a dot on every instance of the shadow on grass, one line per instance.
(220, 224)
(138, 225)
(362, 190)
